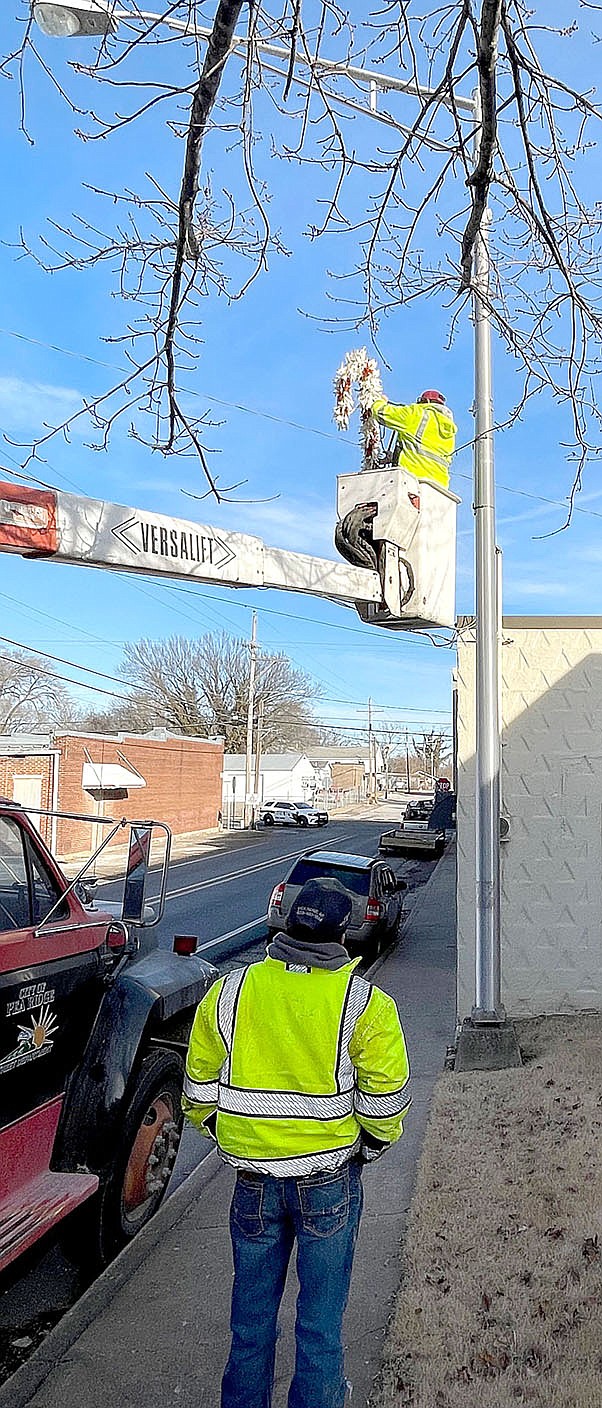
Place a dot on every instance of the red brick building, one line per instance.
(151, 776)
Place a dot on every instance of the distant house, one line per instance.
(347, 770)
(283, 777)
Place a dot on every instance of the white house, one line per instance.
(283, 777)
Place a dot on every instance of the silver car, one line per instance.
(376, 894)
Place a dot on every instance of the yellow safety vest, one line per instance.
(296, 1061)
(426, 437)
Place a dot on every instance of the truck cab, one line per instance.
(92, 1039)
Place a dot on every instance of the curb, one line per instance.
(415, 909)
(21, 1386)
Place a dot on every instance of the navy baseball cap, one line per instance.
(321, 911)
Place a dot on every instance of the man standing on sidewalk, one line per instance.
(299, 1068)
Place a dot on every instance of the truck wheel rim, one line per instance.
(152, 1157)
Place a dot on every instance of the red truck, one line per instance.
(92, 1040)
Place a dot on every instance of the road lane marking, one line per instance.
(206, 855)
(221, 938)
(239, 874)
(203, 854)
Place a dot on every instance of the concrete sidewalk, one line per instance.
(153, 1330)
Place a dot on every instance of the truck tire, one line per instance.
(127, 1199)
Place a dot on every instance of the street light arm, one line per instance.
(371, 78)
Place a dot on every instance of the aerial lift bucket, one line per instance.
(411, 524)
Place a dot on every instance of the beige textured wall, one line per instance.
(552, 797)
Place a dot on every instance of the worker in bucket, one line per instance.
(299, 1068)
(426, 435)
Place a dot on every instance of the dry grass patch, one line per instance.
(501, 1298)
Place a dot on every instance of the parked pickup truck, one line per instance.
(415, 836)
(92, 1037)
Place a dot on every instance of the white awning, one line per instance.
(109, 777)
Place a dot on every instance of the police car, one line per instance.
(292, 814)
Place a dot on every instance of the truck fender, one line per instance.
(141, 998)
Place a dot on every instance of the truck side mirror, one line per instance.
(135, 909)
(136, 874)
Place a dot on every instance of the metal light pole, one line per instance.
(487, 1006)
(70, 17)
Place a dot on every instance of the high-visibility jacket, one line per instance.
(297, 1062)
(426, 437)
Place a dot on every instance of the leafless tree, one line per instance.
(31, 699)
(432, 752)
(426, 186)
(201, 687)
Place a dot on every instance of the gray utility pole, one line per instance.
(258, 744)
(250, 713)
(407, 762)
(371, 757)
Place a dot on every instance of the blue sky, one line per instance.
(266, 355)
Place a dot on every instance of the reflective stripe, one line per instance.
(381, 1107)
(284, 1104)
(296, 1167)
(358, 996)
(441, 460)
(422, 424)
(226, 1013)
(203, 1091)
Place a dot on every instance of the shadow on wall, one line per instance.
(552, 800)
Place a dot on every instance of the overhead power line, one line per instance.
(352, 727)
(279, 420)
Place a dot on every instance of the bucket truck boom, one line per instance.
(70, 528)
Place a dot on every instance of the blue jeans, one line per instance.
(322, 1212)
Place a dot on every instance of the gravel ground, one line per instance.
(501, 1298)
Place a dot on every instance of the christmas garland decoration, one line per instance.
(359, 370)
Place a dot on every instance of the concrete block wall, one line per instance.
(551, 687)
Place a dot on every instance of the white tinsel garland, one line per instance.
(360, 370)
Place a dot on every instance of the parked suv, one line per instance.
(278, 814)
(375, 890)
(291, 814)
(310, 816)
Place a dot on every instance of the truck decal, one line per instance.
(32, 1042)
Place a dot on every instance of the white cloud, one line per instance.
(303, 525)
(28, 405)
(526, 586)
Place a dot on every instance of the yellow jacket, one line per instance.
(296, 1062)
(426, 437)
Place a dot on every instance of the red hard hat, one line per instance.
(435, 397)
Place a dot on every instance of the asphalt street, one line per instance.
(221, 896)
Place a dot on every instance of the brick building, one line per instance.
(160, 776)
(29, 773)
